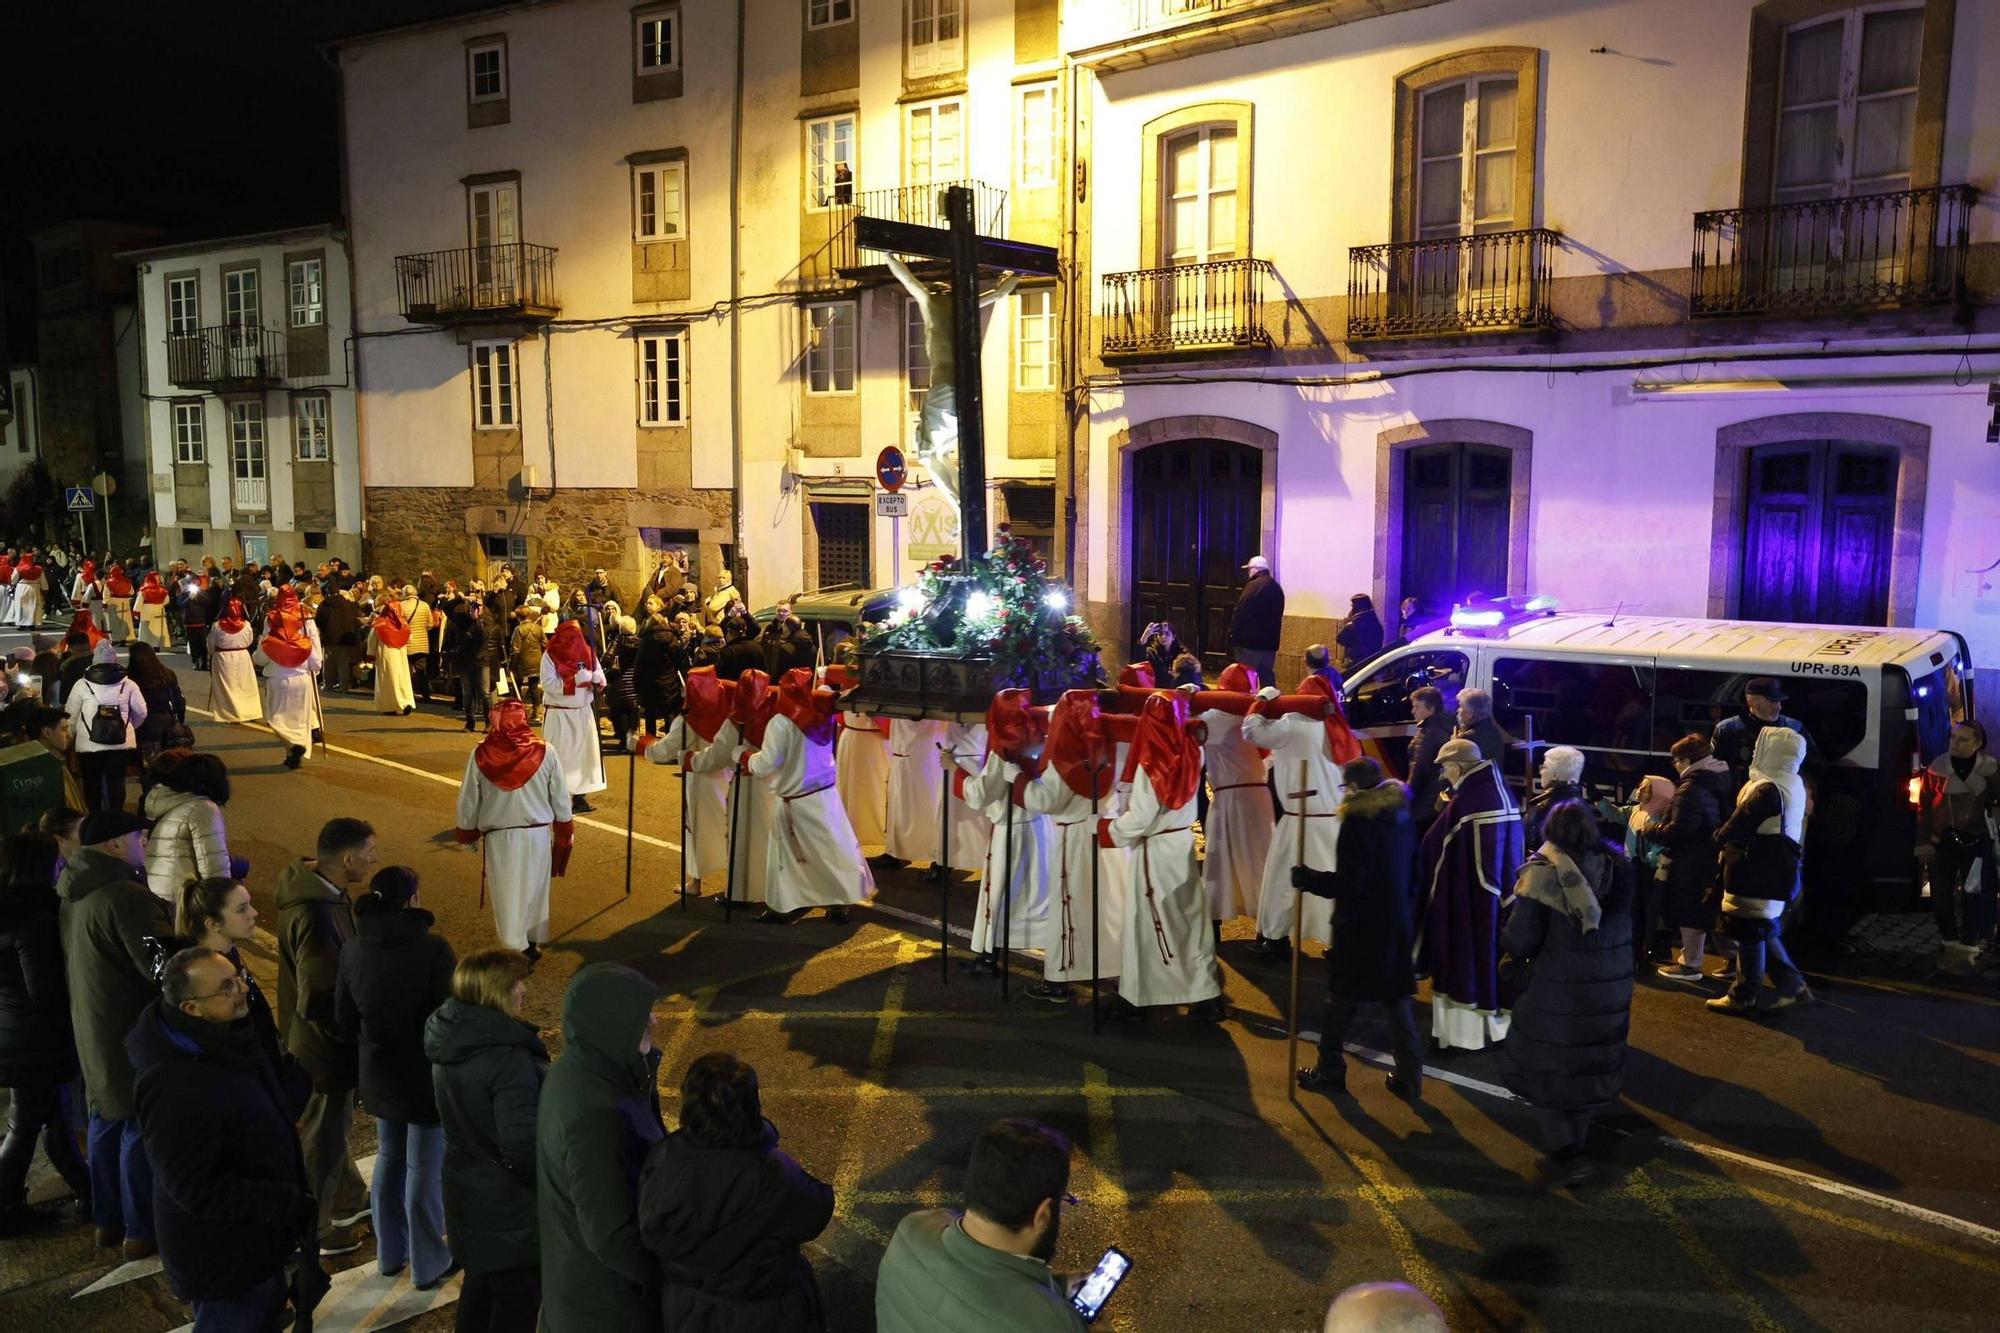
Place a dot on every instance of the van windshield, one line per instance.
(1939, 701)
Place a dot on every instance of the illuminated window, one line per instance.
(1041, 146)
(493, 385)
(1035, 339)
(830, 347)
(663, 378)
(659, 202)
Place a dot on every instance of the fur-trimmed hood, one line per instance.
(1380, 801)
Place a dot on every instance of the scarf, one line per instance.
(233, 618)
(810, 709)
(152, 592)
(390, 627)
(285, 639)
(708, 702)
(1579, 899)
(1077, 747)
(571, 653)
(116, 583)
(753, 705)
(84, 625)
(1013, 729)
(1162, 747)
(511, 752)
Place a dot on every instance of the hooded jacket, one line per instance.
(726, 1225)
(1688, 835)
(105, 918)
(104, 685)
(315, 922)
(1565, 1047)
(187, 842)
(393, 974)
(1763, 838)
(35, 1039)
(230, 1198)
(486, 1075)
(597, 1119)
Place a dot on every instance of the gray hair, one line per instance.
(177, 978)
(1475, 704)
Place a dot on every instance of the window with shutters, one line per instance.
(829, 357)
(1847, 103)
(936, 37)
(934, 147)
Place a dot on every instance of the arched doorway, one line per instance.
(1818, 526)
(1197, 509)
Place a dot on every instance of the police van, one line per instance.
(1877, 705)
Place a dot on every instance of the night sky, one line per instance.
(207, 117)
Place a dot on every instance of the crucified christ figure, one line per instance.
(937, 426)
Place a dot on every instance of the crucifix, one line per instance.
(953, 440)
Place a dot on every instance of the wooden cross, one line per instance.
(1298, 938)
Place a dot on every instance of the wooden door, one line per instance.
(1197, 515)
(1457, 522)
(1817, 534)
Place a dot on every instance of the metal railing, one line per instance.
(227, 354)
(1906, 247)
(253, 494)
(922, 205)
(478, 281)
(1150, 14)
(1186, 306)
(1451, 284)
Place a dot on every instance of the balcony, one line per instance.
(922, 205)
(1185, 308)
(228, 357)
(1907, 247)
(479, 284)
(1451, 285)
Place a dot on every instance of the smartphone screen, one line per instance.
(1101, 1282)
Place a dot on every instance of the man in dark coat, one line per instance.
(1476, 724)
(1360, 635)
(339, 621)
(725, 1212)
(1735, 738)
(1688, 861)
(1469, 859)
(37, 1048)
(107, 913)
(1572, 919)
(1433, 730)
(1259, 620)
(232, 1200)
(1368, 959)
(598, 1118)
(743, 651)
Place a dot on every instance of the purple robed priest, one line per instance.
(1470, 856)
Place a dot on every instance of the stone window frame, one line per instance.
(1052, 359)
(293, 260)
(853, 118)
(654, 83)
(833, 18)
(1770, 21)
(513, 421)
(493, 108)
(1154, 137)
(663, 334)
(200, 420)
(1910, 441)
(1525, 64)
(251, 266)
(191, 276)
(1393, 443)
(673, 160)
(833, 370)
(325, 400)
(1166, 430)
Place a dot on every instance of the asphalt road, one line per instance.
(1836, 1167)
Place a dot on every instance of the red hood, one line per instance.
(390, 627)
(708, 701)
(232, 619)
(152, 591)
(285, 639)
(1014, 728)
(1164, 749)
(571, 653)
(810, 708)
(82, 624)
(753, 705)
(511, 752)
(1078, 747)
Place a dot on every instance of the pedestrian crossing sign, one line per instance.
(81, 499)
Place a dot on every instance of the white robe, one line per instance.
(705, 840)
(515, 828)
(1168, 948)
(1073, 916)
(1020, 866)
(392, 675)
(232, 676)
(1291, 738)
(1238, 827)
(26, 612)
(969, 830)
(90, 597)
(7, 599)
(811, 858)
(153, 625)
(291, 694)
(122, 625)
(861, 765)
(915, 773)
(569, 727)
(749, 824)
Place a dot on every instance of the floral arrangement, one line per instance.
(1002, 604)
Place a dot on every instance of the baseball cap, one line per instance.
(1765, 687)
(1257, 562)
(105, 825)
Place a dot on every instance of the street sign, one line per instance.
(79, 499)
(891, 471)
(890, 504)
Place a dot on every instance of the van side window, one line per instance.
(1591, 705)
(1382, 697)
(1834, 711)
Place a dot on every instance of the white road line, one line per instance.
(453, 783)
(362, 1299)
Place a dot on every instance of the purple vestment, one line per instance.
(1470, 857)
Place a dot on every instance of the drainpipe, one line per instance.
(736, 322)
(1072, 367)
(345, 235)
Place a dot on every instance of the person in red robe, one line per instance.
(514, 797)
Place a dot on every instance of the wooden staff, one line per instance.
(1006, 948)
(1096, 911)
(631, 795)
(944, 867)
(1298, 931)
(686, 841)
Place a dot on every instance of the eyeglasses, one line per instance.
(236, 985)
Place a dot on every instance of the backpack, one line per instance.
(107, 723)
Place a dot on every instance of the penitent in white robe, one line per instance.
(861, 766)
(515, 828)
(1073, 916)
(232, 676)
(969, 830)
(392, 676)
(1291, 738)
(811, 858)
(705, 840)
(749, 823)
(26, 612)
(1168, 947)
(916, 773)
(124, 625)
(153, 624)
(569, 727)
(1238, 827)
(291, 694)
(1015, 900)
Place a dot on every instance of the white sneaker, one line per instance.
(1681, 972)
(355, 1218)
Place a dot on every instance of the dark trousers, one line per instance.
(104, 778)
(339, 669)
(475, 682)
(1340, 1012)
(1562, 1132)
(121, 1179)
(197, 641)
(420, 676)
(500, 1300)
(1966, 918)
(255, 1311)
(1752, 958)
(39, 1108)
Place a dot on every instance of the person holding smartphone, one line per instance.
(988, 1267)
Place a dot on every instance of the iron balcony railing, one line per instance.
(1906, 247)
(922, 205)
(1451, 284)
(227, 354)
(1150, 14)
(478, 282)
(1185, 307)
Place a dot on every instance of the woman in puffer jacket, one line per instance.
(1762, 842)
(188, 840)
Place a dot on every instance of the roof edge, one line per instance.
(335, 227)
